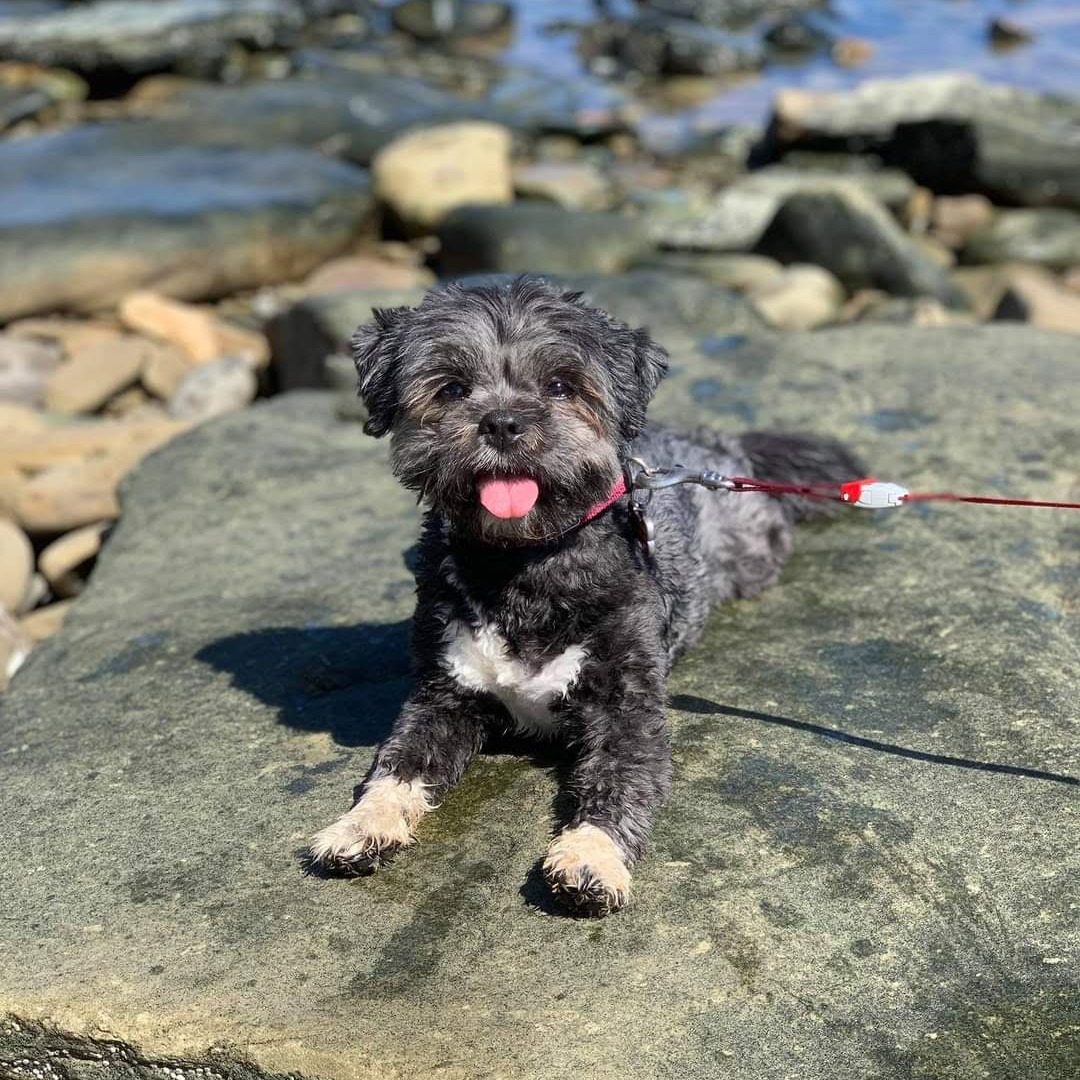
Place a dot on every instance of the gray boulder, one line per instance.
(437, 20)
(851, 235)
(86, 218)
(952, 133)
(537, 237)
(139, 36)
(867, 866)
(1050, 237)
(730, 13)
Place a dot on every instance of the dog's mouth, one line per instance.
(508, 497)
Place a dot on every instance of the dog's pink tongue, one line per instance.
(509, 498)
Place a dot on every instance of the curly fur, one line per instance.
(547, 623)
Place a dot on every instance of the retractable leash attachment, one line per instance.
(869, 493)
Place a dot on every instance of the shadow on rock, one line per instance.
(691, 704)
(349, 681)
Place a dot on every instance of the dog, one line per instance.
(512, 409)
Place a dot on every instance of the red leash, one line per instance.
(874, 494)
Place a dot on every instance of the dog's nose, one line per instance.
(501, 428)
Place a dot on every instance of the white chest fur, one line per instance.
(480, 660)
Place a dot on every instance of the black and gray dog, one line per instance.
(511, 410)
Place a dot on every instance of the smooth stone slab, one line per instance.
(137, 36)
(867, 868)
(86, 218)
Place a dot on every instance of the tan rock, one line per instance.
(575, 185)
(72, 335)
(224, 386)
(129, 402)
(15, 647)
(956, 218)
(25, 367)
(366, 272)
(800, 298)
(11, 483)
(852, 52)
(75, 493)
(1071, 280)
(19, 418)
(63, 557)
(936, 250)
(423, 175)
(95, 374)
(44, 622)
(16, 566)
(1037, 297)
(37, 450)
(199, 333)
(165, 369)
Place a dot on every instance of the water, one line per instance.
(908, 36)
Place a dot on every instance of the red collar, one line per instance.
(617, 492)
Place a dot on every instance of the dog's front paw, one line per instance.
(379, 824)
(585, 870)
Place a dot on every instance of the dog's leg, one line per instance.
(621, 777)
(439, 731)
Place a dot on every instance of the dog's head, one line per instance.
(510, 407)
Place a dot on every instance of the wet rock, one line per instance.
(951, 132)
(728, 12)
(83, 221)
(64, 561)
(214, 388)
(653, 46)
(16, 566)
(578, 105)
(736, 217)
(26, 90)
(1036, 297)
(835, 754)
(1049, 237)
(800, 298)
(956, 218)
(1006, 34)
(25, 368)
(86, 381)
(139, 36)
(798, 33)
(424, 175)
(855, 238)
(573, 185)
(438, 20)
(537, 237)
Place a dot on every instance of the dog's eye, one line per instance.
(454, 391)
(559, 388)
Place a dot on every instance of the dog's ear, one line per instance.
(650, 366)
(374, 352)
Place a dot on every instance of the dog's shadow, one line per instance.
(350, 681)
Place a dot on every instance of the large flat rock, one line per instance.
(88, 214)
(868, 866)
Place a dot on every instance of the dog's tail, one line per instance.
(801, 459)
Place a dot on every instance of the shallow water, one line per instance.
(908, 36)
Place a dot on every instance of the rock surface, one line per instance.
(1049, 237)
(539, 238)
(425, 174)
(85, 218)
(867, 867)
(137, 36)
(951, 132)
(850, 235)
